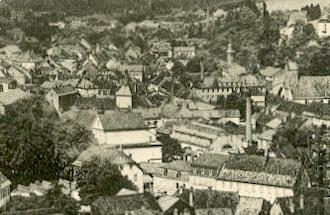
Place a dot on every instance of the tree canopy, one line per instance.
(100, 177)
(32, 135)
(171, 148)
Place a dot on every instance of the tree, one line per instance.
(320, 64)
(53, 201)
(41, 140)
(171, 148)
(100, 177)
(193, 65)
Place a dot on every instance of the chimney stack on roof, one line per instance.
(201, 63)
(248, 123)
(191, 197)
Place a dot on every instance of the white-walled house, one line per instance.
(172, 177)
(124, 97)
(127, 167)
(249, 176)
(200, 137)
(323, 26)
(4, 191)
(128, 131)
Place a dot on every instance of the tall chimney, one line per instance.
(191, 197)
(301, 201)
(230, 53)
(291, 206)
(201, 63)
(248, 124)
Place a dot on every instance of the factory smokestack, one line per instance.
(201, 63)
(248, 124)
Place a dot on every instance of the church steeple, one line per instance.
(230, 53)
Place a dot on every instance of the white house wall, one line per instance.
(145, 154)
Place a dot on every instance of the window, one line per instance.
(202, 171)
(195, 170)
(210, 172)
(121, 167)
(1, 88)
(165, 172)
(177, 186)
(135, 177)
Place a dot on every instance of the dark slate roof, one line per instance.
(210, 160)
(212, 199)
(177, 165)
(95, 103)
(122, 120)
(260, 170)
(3, 179)
(119, 204)
(313, 87)
(104, 152)
(64, 90)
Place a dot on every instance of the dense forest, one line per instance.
(84, 7)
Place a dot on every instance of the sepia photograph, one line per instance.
(164, 107)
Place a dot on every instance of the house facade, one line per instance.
(126, 165)
(199, 137)
(135, 72)
(10, 97)
(128, 131)
(212, 88)
(249, 176)
(4, 191)
(124, 97)
(323, 26)
(62, 97)
(172, 177)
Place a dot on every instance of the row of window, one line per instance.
(203, 171)
(4, 193)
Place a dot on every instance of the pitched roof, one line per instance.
(268, 135)
(124, 91)
(11, 96)
(166, 202)
(125, 192)
(206, 199)
(122, 120)
(3, 179)
(184, 48)
(82, 117)
(210, 160)
(270, 71)
(312, 87)
(119, 204)
(249, 206)
(86, 84)
(64, 90)
(131, 68)
(247, 80)
(151, 168)
(260, 170)
(95, 103)
(178, 165)
(104, 152)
